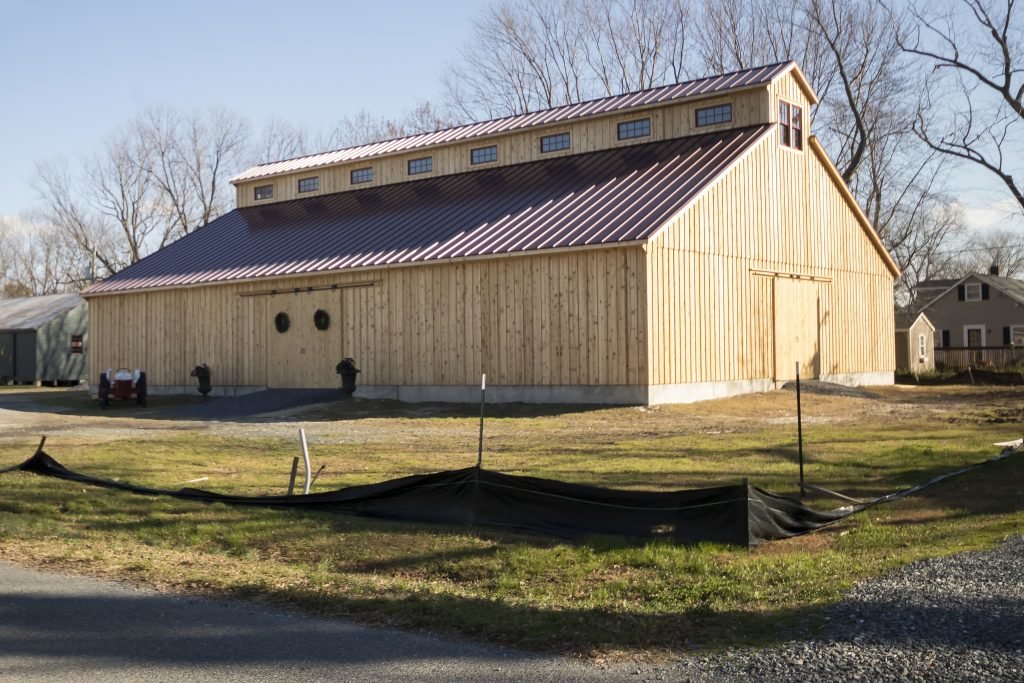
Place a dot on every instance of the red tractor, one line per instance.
(122, 384)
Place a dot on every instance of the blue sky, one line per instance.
(71, 71)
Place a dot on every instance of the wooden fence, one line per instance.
(994, 357)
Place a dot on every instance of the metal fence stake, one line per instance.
(479, 451)
(799, 429)
(305, 459)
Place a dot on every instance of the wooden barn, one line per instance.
(43, 339)
(676, 244)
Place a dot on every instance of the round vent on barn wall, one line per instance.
(322, 319)
(281, 322)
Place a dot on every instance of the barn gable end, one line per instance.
(742, 288)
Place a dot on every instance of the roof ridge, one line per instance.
(490, 122)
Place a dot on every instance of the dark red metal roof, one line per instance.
(701, 87)
(611, 196)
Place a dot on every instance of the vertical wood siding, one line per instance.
(568, 318)
(712, 318)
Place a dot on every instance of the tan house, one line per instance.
(670, 245)
(979, 319)
(915, 337)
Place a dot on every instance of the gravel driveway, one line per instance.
(957, 618)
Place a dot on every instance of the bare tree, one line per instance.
(747, 33)
(635, 44)
(924, 252)
(187, 156)
(538, 54)
(973, 108)
(534, 55)
(109, 205)
(364, 127)
(280, 140)
(6, 251)
(1000, 247)
(65, 205)
(869, 99)
(154, 180)
(527, 55)
(36, 260)
(122, 192)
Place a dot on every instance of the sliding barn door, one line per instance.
(797, 328)
(362, 337)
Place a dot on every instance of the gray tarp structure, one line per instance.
(38, 338)
(32, 312)
(740, 515)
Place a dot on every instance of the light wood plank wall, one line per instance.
(667, 121)
(570, 318)
(710, 315)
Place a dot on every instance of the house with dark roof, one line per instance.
(43, 339)
(979, 319)
(675, 244)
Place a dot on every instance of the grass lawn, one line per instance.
(607, 597)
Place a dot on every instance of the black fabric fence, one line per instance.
(741, 515)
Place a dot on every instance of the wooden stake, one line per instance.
(291, 480)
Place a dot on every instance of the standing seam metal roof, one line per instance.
(611, 196)
(704, 86)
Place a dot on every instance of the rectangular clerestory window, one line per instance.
(709, 116)
(361, 175)
(422, 165)
(483, 155)
(554, 143)
(640, 128)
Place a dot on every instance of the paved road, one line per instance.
(69, 629)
